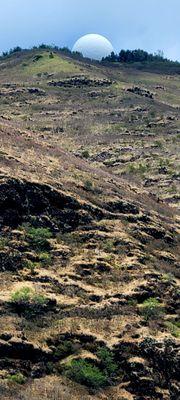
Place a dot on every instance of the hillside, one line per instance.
(89, 246)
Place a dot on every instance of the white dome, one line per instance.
(93, 46)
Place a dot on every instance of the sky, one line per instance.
(129, 24)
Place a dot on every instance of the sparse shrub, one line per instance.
(174, 328)
(23, 294)
(50, 367)
(85, 154)
(153, 114)
(37, 237)
(142, 168)
(39, 299)
(28, 295)
(88, 185)
(169, 278)
(132, 302)
(45, 258)
(151, 308)
(64, 349)
(131, 168)
(107, 361)
(51, 55)
(17, 378)
(3, 243)
(164, 162)
(37, 57)
(31, 265)
(139, 168)
(108, 245)
(159, 144)
(85, 373)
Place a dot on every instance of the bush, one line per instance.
(85, 154)
(37, 237)
(151, 308)
(32, 266)
(17, 378)
(64, 349)
(174, 328)
(107, 361)
(28, 295)
(85, 373)
(108, 245)
(37, 57)
(23, 294)
(45, 258)
(88, 185)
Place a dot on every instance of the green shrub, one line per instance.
(22, 295)
(142, 168)
(151, 308)
(45, 258)
(85, 154)
(159, 144)
(107, 361)
(17, 378)
(138, 168)
(108, 245)
(169, 278)
(85, 373)
(37, 237)
(174, 328)
(131, 168)
(64, 349)
(31, 265)
(28, 295)
(88, 185)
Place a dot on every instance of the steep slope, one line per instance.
(88, 259)
(122, 119)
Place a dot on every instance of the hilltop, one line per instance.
(89, 246)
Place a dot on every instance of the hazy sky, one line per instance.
(146, 24)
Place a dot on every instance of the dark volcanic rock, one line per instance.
(20, 199)
(140, 91)
(80, 81)
(36, 91)
(123, 207)
(19, 349)
(10, 261)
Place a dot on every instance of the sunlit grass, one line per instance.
(47, 64)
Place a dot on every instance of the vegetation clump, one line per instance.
(137, 55)
(28, 296)
(37, 237)
(17, 378)
(174, 328)
(87, 374)
(107, 361)
(88, 185)
(64, 349)
(85, 154)
(151, 308)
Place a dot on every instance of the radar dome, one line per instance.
(93, 46)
